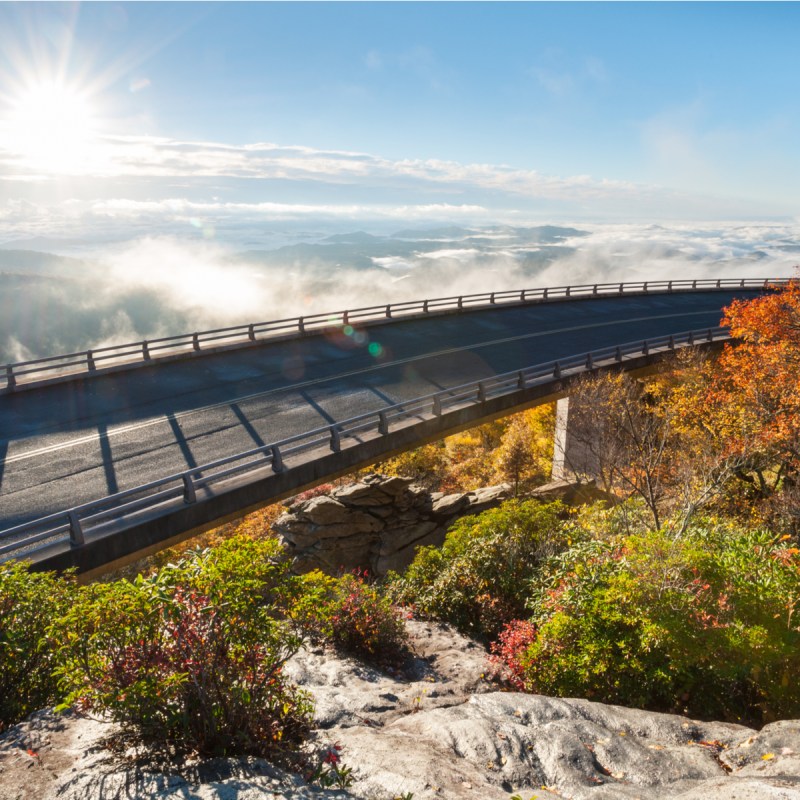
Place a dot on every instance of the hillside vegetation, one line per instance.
(681, 595)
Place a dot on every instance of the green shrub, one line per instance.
(28, 603)
(354, 615)
(190, 659)
(703, 624)
(478, 580)
(364, 622)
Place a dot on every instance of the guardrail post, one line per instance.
(567, 292)
(557, 370)
(251, 332)
(669, 286)
(671, 342)
(521, 380)
(618, 355)
(644, 286)
(491, 298)
(90, 361)
(145, 350)
(710, 335)
(544, 294)
(646, 347)
(437, 405)
(522, 296)
(196, 341)
(277, 459)
(481, 392)
(460, 303)
(594, 289)
(389, 311)
(425, 307)
(76, 537)
(11, 379)
(694, 284)
(622, 288)
(336, 439)
(691, 338)
(741, 285)
(383, 423)
(301, 326)
(345, 317)
(719, 283)
(589, 362)
(189, 492)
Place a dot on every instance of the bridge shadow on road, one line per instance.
(108, 459)
(247, 425)
(180, 439)
(3, 453)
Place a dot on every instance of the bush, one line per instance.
(478, 580)
(190, 659)
(510, 651)
(353, 615)
(28, 603)
(365, 623)
(704, 624)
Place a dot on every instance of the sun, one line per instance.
(51, 127)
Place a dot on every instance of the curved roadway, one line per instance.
(71, 443)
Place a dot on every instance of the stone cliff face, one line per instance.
(376, 524)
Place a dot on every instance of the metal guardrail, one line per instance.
(71, 525)
(90, 361)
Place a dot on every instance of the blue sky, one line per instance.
(551, 111)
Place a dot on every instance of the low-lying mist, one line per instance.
(154, 287)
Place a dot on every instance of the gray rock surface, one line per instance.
(436, 729)
(69, 762)
(375, 525)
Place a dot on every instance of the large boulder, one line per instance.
(376, 524)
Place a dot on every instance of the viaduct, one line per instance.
(114, 453)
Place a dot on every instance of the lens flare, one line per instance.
(51, 127)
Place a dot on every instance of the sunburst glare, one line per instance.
(51, 127)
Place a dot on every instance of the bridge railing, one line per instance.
(188, 486)
(90, 361)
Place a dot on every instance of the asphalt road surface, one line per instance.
(68, 444)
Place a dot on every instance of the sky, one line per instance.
(178, 166)
(115, 114)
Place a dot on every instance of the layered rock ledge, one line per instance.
(375, 525)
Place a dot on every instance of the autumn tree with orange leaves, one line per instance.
(748, 400)
(705, 430)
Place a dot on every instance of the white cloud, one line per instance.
(373, 60)
(156, 157)
(428, 183)
(195, 285)
(561, 76)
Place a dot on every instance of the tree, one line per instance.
(622, 437)
(748, 400)
(524, 454)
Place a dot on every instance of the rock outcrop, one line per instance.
(375, 525)
(436, 731)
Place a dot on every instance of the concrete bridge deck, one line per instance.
(74, 442)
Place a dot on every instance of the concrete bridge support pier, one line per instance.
(573, 460)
